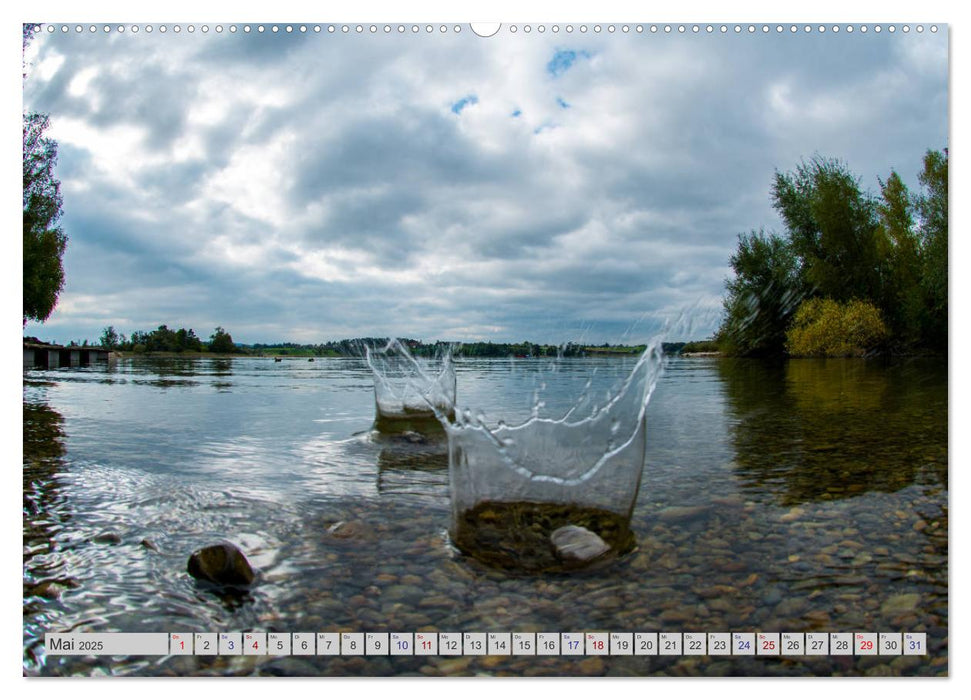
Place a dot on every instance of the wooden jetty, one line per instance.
(46, 356)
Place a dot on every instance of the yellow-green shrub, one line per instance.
(826, 328)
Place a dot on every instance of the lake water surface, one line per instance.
(808, 495)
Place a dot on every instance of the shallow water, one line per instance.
(799, 496)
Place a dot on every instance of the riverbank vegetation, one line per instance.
(852, 273)
(164, 340)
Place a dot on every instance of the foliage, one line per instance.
(44, 241)
(931, 207)
(109, 338)
(902, 297)
(762, 296)
(827, 328)
(831, 226)
(710, 345)
(162, 339)
(221, 341)
(842, 244)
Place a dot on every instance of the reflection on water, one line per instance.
(809, 430)
(45, 517)
(803, 496)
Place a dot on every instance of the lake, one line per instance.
(807, 495)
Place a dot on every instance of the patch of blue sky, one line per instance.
(464, 102)
(562, 103)
(562, 60)
(516, 113)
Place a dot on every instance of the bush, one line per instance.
(700, 346)
(825, 328)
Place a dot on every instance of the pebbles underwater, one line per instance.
(719, 545)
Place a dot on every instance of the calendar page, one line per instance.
(529, 348)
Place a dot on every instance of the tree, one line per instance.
(932, 213)
(762, 297)
(221, 341)
(109, 338)
(44, 241)
(832, 227)
(901, 301)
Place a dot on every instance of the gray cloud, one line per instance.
(311, 187)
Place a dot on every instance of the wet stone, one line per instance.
(591, 666)
(221, 564)
(353, 529)
(107, 538)
(516, 536)
(900, 604)
(681, 513)
(577, 543)
(790, 608)
(773, 596)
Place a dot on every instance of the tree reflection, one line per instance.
(45, 514)
(808, 430)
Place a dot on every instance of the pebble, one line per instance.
(900, 604)
(107, 538)
(681, 513)
(793, 514)
(575, 543)
(791, 607)
(354, 529)
(591, 666)
(454, 666)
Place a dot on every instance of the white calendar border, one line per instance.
(507, 10)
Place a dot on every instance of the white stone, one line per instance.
(578, 543)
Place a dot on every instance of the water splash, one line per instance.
(408, 391)
(592, 455)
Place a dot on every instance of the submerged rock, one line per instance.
(351, 529)
(899, 604)
(222, 564)
(107, 538)
(577, 543)
(681, 513)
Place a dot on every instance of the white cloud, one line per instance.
(321, 186)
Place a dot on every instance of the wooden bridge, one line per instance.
(46, 356)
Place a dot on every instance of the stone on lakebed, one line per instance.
(577, 543)
(222, 564)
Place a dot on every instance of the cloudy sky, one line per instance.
(555, 186)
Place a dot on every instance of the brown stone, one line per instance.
(352, 529)
(591, 666)
(223, 564)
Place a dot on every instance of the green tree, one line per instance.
(902, 301)
(109, 338)
(221, 341)
(762, 296)
(44, 240)
(932, 213)
(832, 227)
